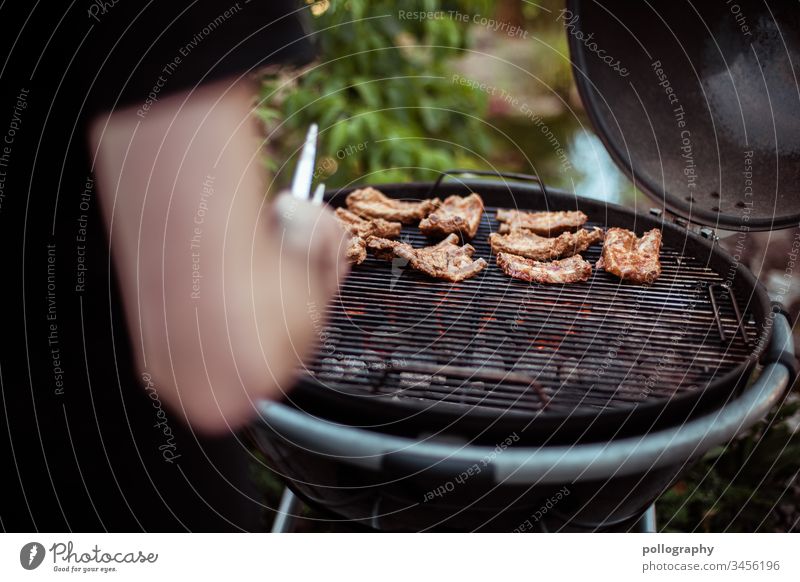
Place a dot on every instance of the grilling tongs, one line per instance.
(285, 209)
(304, 173)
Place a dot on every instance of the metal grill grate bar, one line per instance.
(494, 342)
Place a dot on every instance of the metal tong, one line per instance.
(304, 172)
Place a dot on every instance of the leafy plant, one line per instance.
(382, 92)
(751, 485)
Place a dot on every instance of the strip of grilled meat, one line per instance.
(630, 258)
(571, 270)
(445, 260)
(541, 223)
(457, 215)
(361, 229)
(372, 203)
(527, 244)
(356, 251)
(365, 227)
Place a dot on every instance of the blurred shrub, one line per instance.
(750, 485)
(382, 79)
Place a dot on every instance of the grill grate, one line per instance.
(499, 343)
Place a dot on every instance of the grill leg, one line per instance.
(287, 512)
(647, 523)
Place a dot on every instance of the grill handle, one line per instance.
(783, 351)
(549, 465)
(493, 173)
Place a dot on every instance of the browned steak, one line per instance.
(571, 270)
(361, 229)
(372, 203)
(630, 258)
(541, 223)
(445, 260)
(525, 243)
(457, 215)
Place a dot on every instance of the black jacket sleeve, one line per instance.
(113, 53)
(144, 50)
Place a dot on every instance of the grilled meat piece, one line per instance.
(361, 229)
(457, 215)
(527, 244)
(630, 258)
(365, 227)
(571, 270)
(445, 260)
(372, 203)
(383, 248)
(356, 252)
(541, 223)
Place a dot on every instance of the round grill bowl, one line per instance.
(406, 355)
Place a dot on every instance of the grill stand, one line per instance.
(288, 511)
(647, 523)
(291, 504)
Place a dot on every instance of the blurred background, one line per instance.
(404, 90)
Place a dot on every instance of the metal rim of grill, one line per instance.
(402, 348)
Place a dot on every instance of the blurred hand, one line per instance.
(310, 237)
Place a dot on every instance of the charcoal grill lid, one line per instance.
(698, 103)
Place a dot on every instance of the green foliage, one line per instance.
(386, 82)
(743, 487)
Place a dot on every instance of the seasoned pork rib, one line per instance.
(360, 229)
(372, 203)
(571, 270)
(457, 215)
(527, 244)
(541, 223)
(445, 260)
(630, 258)
(356, 251)
(365, 227)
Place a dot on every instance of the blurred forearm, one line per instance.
(217, 312)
